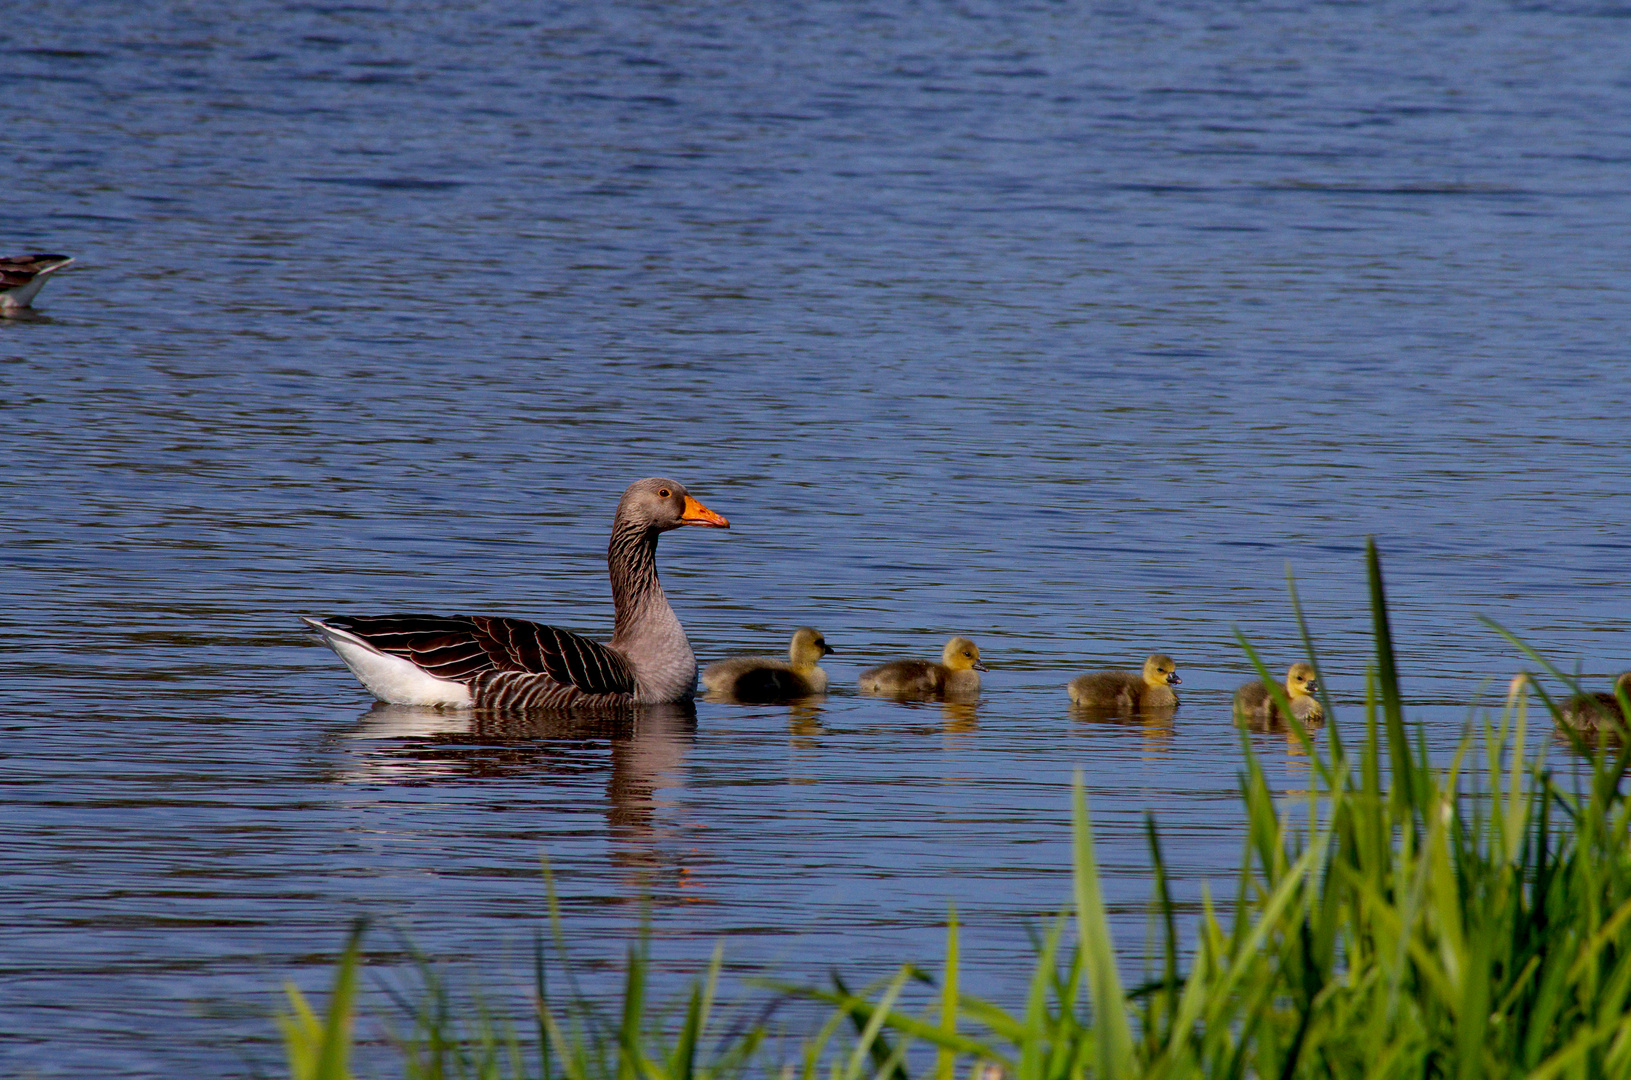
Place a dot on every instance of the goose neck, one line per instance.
(631, 558)
(647, 632)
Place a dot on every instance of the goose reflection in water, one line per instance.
(647, 747)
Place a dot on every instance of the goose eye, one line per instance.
(664, 493)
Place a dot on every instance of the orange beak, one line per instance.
(697, 514)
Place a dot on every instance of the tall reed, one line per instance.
(1400, 920)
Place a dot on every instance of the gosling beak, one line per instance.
(1174, 680)
(980, 666)
(827, 650)
(697, 514)
(1313, 687)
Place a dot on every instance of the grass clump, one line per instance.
(1401, 920)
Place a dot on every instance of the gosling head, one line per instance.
(961, 654)
(1159, 670)
(660, 504)
(1300, 681)
(808, 648)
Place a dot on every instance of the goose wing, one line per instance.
(463, 648)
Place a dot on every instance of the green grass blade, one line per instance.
(1111, 1031)
(1387, 671)
(946, 1057)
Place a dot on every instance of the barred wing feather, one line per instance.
(508, 663)
(567, 658)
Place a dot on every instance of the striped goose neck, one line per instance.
(636, 593)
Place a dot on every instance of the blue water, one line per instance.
(1066, 327)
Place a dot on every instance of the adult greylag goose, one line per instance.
(1254, 704)
(23, 276)
(763, 678)
(498, 663)
(957, 676)
(1597, 710)
(1129, 692)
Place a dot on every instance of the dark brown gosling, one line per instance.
(1596, 711)
(1149, 690)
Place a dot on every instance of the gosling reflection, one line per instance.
(960, 717)
(646, 745)
(955, 718)
(804, 724)
(1155, 726)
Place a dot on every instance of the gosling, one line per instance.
(1126, 692)
(763, 678)
(1254, 704)
(955, 678)
(1596, 711)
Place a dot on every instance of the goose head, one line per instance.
(1159, 670)
(808, 648)
(658, 504)
(1301, 681)
(961, 654)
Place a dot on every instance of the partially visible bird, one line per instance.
(23, 276)
(763, 678)
(1594, 711)
(498, 663)
(1127, 691)
(1254, 703)
(956, 677)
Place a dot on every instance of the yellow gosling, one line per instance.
(955, 678)
(1128, 692)
(1254, 704)
(764, 678)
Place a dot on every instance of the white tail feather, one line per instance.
(389, 678)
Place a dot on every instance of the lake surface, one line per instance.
(1067, 327)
